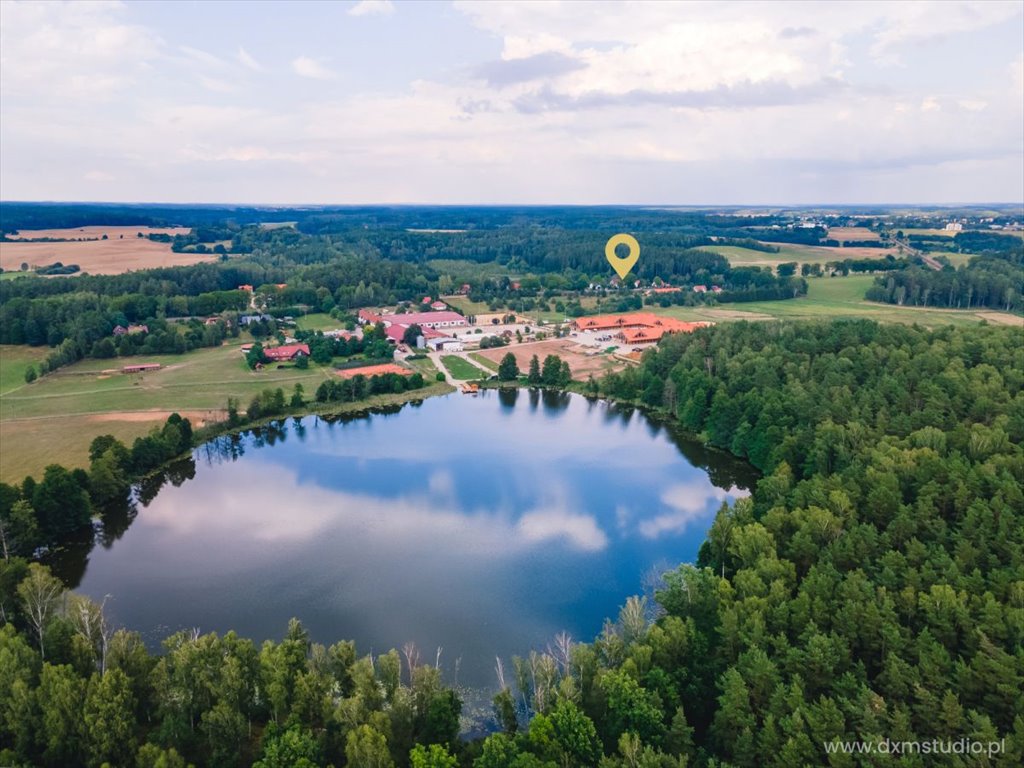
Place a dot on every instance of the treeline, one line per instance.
(796, 235)
(359, 387)
(322, 349)
(91, 340)
(984, 282)
(88, 317)
(54, 310)
(79, 693)
(885, 263)
(871, 587)
(57, 268)
(1008, 247)
(749, 284)
(778, 289)
(830, 243)
(46, 512)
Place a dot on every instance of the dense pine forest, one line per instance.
(871, 588)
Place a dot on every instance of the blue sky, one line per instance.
(562, 102)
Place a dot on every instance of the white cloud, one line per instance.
(688, 503)
(311, 68)
(247, 60)
(578, 530)
(656, 102)
(372, 8)
(76, 51)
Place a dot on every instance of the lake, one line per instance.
(479, 525)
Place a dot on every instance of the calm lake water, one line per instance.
(480, 525)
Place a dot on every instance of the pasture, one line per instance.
(54, 418)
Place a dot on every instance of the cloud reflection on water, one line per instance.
(476, 524)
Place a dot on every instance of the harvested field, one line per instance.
(123, 251)
(373, 370)
(1002, 318)
(821, 253)
(97, 232)
(842, 234)
(582, 360)
(198, 418)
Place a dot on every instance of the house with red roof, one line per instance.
(286, 352)
(369, 316)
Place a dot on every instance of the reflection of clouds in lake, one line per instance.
(453, 524)
(623, 515)
(266, 503)
(688, 502)
(581, 531)
(442, 484)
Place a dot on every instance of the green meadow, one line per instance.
(460, 368)
(836, 297)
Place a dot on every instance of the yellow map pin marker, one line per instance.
(624, 264)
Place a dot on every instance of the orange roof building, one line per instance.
(286, 352)
(636, 327)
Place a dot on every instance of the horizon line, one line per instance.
(952, 204)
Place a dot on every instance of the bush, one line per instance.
(439, 376)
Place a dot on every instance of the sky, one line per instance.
(695, 103)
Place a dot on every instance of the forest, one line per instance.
(870, 587)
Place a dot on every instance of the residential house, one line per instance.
(249, 319)
(286, 352)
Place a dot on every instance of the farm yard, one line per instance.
(122, 251)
